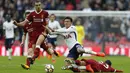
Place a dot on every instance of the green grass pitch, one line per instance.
(14, 66)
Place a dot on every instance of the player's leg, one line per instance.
(73, 55)
(50, 51)
(30, 54)
(39, 41)
(53, 46)
(7, 46)
(28, 59)
(51, 43)
(8, 43)
(88, 51)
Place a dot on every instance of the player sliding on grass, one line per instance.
(70, 35)
(90, 65)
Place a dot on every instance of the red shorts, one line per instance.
(34, 36)
(33, 39)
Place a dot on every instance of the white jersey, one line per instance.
(9, 29)
(54, 25)
(70, 36)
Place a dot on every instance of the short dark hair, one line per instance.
(108, 62)
(37, 1)
(53, 15)
(69, 18)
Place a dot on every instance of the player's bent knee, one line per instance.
(80, 50)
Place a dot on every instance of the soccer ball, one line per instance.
(49, 68)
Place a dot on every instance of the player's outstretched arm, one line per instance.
(120, 71)
(48, 29)
(115, 70)
(21, 23)
(64, 30)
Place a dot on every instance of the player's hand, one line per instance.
(21, 44)
(44, 33)
(15, 22)
(64, 68)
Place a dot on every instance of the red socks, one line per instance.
(77, 62)
(36, 53)
(28, 61)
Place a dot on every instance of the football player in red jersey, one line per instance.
(38, 19)
(91, 65)
(31, 46)
(27, 29)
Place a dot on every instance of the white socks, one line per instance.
(90, 52)
(87, 51)
(82, 67)
(38, 46)
(10, 53)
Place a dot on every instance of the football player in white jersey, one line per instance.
(9, 27)
(54, 25)
(70, 37)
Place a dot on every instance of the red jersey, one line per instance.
(100, 66)
(37, 21)
(94, 64)
(104, 67)
(28, 29)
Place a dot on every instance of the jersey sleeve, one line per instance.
(46, 14)
(69, 30)
(46, 17)
(60, 30)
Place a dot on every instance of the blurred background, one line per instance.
(100, 33)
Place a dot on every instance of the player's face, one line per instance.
(67, 23)
(52, 17)
(38, 6)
